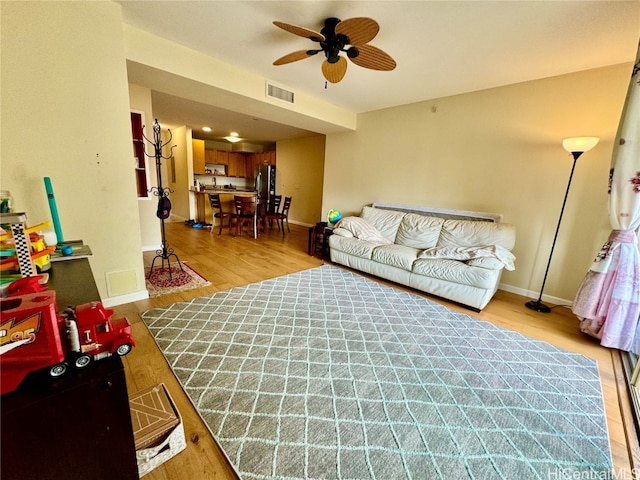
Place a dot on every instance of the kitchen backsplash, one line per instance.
(209, 180)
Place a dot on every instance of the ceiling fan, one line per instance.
(350, 36)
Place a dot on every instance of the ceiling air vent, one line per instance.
(273, 91)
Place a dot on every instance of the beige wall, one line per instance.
(140, 101)
(172, 68)
(299, 173)
(65, 115)
(182, 154)
(500, 151)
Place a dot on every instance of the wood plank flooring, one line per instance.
(228, 261)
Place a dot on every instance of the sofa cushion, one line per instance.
(352, 246)
(419, 231)
(494, 252)
(456, 271)
(342, 232)
(386, 221)
(395, 255)
(362, 230)
(467, 233)
(486, 262)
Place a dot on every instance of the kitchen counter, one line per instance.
(204, 214)
(223, 190)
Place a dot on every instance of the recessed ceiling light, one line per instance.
(206, 129)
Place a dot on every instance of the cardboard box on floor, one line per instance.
(157, 427)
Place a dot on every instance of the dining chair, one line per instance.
(246, 213)
(272, 211)
(283, 216)
(221, 215)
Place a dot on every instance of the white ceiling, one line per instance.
(441, 48)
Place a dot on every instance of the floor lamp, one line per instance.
(576, 146)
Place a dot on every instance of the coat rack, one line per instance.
(164, 204)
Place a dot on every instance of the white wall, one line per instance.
(496, 150)
(65, 115)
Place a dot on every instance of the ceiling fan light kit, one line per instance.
(350, 36)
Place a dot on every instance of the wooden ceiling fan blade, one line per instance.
(300, 31)
(374, 58)
(334, 72)
(294, 57)
(360, 30)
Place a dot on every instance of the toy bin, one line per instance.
(157, 427)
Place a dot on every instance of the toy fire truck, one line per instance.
(34, 337)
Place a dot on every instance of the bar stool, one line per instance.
(246, 213)
(216, 207)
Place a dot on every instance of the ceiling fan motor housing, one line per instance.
(334, 43)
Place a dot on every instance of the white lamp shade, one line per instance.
(579, 144)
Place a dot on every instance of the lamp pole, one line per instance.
(576, 146)
(537, 305)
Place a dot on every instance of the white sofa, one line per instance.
(459, 260)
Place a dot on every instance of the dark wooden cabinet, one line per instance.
(77, 426)
(74, 427)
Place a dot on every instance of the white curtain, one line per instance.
(608, 300)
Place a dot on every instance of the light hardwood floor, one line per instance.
(228, 261)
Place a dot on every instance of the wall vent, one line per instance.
(279, 93)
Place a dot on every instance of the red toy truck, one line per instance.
(34, 337)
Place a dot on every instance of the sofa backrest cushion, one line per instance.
(386, 221)
(466, 233)
(418, 231)
(363, 230)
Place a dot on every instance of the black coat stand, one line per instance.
(164, 205)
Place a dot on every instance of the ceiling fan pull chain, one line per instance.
(325, 84)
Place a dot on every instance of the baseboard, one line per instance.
(302, 224)
(128, 298)
(534, 295)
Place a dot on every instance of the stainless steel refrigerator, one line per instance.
(265, 183)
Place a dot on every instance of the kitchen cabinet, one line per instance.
(269, 158)
(237, 165)
(255, 160)
(198, 157)
(216, 157)
(210, 156)
(262, 158)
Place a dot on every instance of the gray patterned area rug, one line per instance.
(327, 374)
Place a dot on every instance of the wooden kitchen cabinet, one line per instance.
(198, 157)
(269, 158)
(210, 157)
(220, 157)
(263, 158)
(237, 165)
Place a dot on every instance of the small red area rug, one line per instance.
(160, 282)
